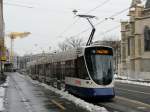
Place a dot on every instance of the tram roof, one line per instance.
(62, 56)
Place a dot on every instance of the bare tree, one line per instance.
(71, 42)
(74, 42)
(110, 38)
(63, 46)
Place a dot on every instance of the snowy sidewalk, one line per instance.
(27, 95)
(2, 94)
(129, 81)
(77, 101)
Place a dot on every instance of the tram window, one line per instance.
(82, 71)
(58, 70)
(100, 65)
(47, 69)
(38, 69)
(72, 70)
(69, 68)
(63, 68)
(50, 69)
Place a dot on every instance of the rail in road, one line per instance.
(24, 96)
(121, 104)
(129, 98)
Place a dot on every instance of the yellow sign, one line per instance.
(1, 42)
(102, 52)
(3, 58)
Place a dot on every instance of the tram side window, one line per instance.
(38, 69)
(42, 69)
(63, 70)
(58, 70)
(46, 69)
(82, 71)
(54, 69)
(72, 68)
(35, 69)
(69, 68)
(49, 69)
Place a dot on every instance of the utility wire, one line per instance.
(15, 1)
(109, 30)
(67, 28)
(118, 13)
(98, 6)
(102, 21)
(19, 5)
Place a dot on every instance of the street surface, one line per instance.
(129, 98)
(24, 96)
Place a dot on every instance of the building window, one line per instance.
(147, 38)
(128, 46)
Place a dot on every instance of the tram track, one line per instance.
(121, 104)
(118, 104)
(127, 99)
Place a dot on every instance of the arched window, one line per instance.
(147, 38)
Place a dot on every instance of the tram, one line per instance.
(86, 72)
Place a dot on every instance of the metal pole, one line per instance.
(88, 17)
(90, 23)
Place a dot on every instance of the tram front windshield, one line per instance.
(99, 64)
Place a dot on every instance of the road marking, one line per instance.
(58, 104)
(142, 108)
(133, 101)
(141, 92)
(133, 85)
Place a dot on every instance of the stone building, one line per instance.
(135, 42)
(2, 48)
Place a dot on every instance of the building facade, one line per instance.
(135, 42)
(2, 47)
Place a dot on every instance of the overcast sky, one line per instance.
(51, 21)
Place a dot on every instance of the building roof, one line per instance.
(135, 2)
(147, 4)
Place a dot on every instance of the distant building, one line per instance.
(22, 61)
(135, 42)
(2, 48)
(1, 21)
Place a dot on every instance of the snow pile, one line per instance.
(77, 101)
(120, 77)
(5, 85)
(133, 82)
(2, 94)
